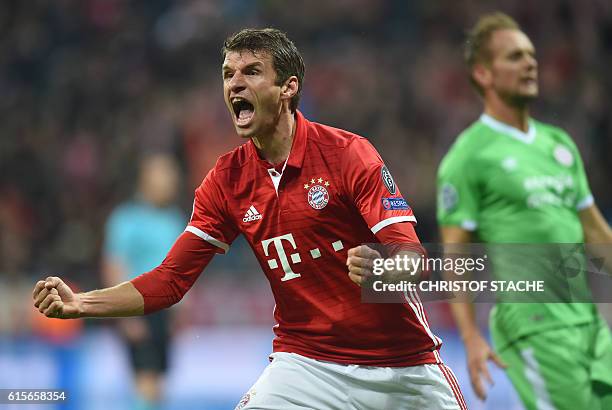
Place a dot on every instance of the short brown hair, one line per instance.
(286, 58)
(477, 41)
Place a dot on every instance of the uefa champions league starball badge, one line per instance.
(318, 197)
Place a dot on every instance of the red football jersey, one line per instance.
(332, 194)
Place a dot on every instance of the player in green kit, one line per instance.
(511, 179)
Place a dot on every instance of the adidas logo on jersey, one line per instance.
(251, 215)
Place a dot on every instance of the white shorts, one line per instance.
(292, 381)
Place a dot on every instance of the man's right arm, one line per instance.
(54, 298)
(158, 289)
(477, 348)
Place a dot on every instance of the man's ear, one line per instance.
(482, 75)
(290, 87)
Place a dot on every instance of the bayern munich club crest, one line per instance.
(318, 196)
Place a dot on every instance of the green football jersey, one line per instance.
(508, 186)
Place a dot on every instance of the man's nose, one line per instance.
(236, 83)
(532, 62)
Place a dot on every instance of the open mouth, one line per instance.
(243, 110)
(529, 80)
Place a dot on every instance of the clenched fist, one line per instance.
(360, 262)
(53, 298)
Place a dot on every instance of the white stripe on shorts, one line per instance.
(454, 385)
(533, 374)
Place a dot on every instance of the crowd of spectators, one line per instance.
(88, 86)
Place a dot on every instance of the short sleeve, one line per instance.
(371, 187)
(584, 197)
(458, 195)
(209, 218)
(117, 238)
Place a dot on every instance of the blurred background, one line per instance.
(90, 87)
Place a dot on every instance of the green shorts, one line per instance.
(565, 368)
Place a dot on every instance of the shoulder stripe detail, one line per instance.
(207, 237)
(391, 221)
(585, 203)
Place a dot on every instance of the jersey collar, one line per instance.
(526, 137)
(298, 147)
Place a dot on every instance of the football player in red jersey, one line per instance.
(307, 197)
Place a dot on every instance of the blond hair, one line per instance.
(477, 42)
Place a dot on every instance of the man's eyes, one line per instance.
(229, 74)
(519, 55)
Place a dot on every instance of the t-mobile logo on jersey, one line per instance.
(295, 257)
(278, 244)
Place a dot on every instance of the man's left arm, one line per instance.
(597, 233)
(371, 187)
(399, 241)
(594, 225)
